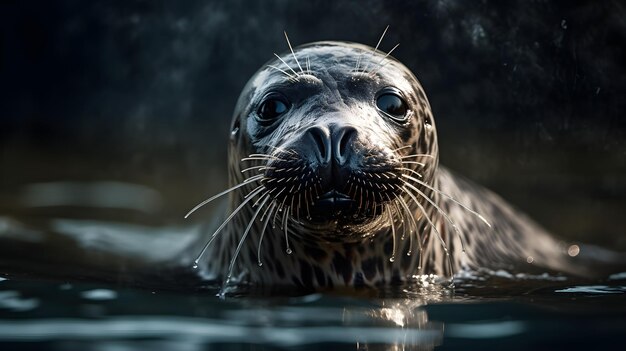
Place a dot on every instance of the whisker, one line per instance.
(358, 62)
(412, 217)
(395, 204)
(241, 241)
(285, 221)
(393, 235)
(432, 225)
(258, 158)
(376, 48)
(381, 38)
(383, 59)
(282, 149)
(291, 69)
(262, 167)
(282, 71)
(445, 215)
(261, 155)
(410, 170)
(247, 181)
(255, 189)
(449, 197)
(414, 162)
(290, 48)
(402, 147)
(267, 220)
(206, 246)
(261, 197)
(416, 155)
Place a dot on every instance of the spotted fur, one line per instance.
(333, 81)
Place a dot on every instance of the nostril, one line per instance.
(322, 142)
(345, 138)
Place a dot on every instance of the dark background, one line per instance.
(528, 96)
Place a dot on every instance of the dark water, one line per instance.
(486, 312)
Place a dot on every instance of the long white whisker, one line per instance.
(273, 157)
(224, 224)
(283, 61)
(293, 53)
(282, 149)
(282, 71)
(255, 189)
(432, 225)
(414, 162)
(412, 217)
(285, 221)
(416, 155)
(241, 241)
(261, 197)
(267, 220)
(376, 48)
(262, 167)
(445, 215)
(449, 197)
(381, 38)
(247, 181)
(383, 59)
(393, 235)
(402, 147)
(410, 170)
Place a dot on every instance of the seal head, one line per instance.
(334, 122)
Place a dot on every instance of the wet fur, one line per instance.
(374, 251)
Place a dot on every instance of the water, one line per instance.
(490, 310)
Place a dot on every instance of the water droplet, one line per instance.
(288, 251)
(573, 250)
(392, 258)
(195, 266)
(409, 253)
(260, 264)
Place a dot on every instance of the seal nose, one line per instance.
(333, 151)
(332, 143)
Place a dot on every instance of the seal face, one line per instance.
(335, 180)
(334, 135)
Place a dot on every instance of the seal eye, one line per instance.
(391, 104)
(272, 107)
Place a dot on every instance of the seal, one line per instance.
(335, 181)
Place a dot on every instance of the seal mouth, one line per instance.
(333, 204)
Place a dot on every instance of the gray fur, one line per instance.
(345, 253)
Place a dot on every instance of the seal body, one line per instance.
(333, 160)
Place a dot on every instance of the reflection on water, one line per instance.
(82, 313)
(89, 316)
(94, 194)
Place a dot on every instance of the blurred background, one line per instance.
(120, 110)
